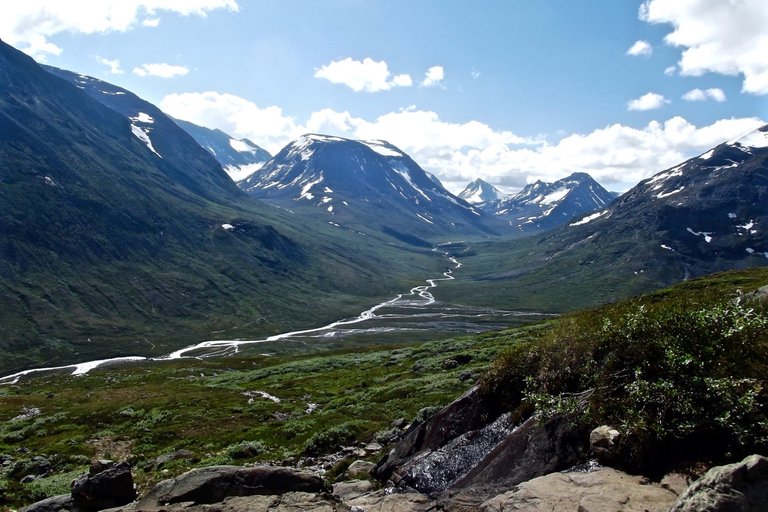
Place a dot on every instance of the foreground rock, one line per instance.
(601, 490)
(739, 487)
(106, 485)
(214, 484)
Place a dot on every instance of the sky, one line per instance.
(510, 91)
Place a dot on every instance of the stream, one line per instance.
(416, 313)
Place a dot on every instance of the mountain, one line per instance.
(542, 206)
(705, 215)
(121, 235)
(370, 186)
(479, 192)
(172, 149)
(239, 157)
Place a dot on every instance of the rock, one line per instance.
(465, 414)
(349, 490)
(383, 501)
(213, 484)
(603, 441)
(112, 486)
(53, 504)
(738, 487)
(99, 465)
(601, 490)
(162, 460)
(531, 450)
(400, 423)
(360, 470)
(373, 447)
(27, 479)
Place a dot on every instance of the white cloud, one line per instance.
(268, 127)
(702, 95)
(367, 75)
(670, 71)
(161, 70)
(648, 101)
(112, 64)
(433, 77)
(617, 156)
(150, 22)
(640, 49)
(717, 36)
(475, 74)
(29, 25)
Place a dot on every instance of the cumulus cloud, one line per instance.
(367, 75)
(648, 101)
(716, 94)
(728, 38)
(112, 64)
(29, 25)
(433, 77)
(618, 156)
(670, 70)
(160, 69)
(640, 49)
(269, 126)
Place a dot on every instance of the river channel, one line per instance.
(415, 315)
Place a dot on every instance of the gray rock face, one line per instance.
(602, 490)
(214, 484)
(739, 487)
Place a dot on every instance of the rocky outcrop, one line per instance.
(107, 485)
(739, 487)
(214, 484)
(601, 490)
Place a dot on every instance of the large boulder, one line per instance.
(601, 490)
(107, 485)
(533, 449)
(603, 442)
(738, 487)
(466, 413)
(214, 484)
(52, 504)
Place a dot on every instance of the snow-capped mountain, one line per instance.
(366, 184)
(479, 192)
(712, 207)
(239, 157)
(542, 206)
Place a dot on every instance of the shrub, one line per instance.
(332, 438)
(678, 379)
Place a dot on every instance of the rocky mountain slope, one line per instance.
(239, 157)
(122, 235)
(365, 185)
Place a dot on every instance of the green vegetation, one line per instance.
(218, 409)
(682, 372)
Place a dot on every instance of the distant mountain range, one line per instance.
(239, 157)
(707, 214)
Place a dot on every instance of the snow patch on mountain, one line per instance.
(240, 172)
(142, 117)
(143, 136)
(589, 218)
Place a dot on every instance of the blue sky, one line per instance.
(518, 90)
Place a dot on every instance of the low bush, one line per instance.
(681, 380)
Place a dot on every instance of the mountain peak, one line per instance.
(480, 191)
